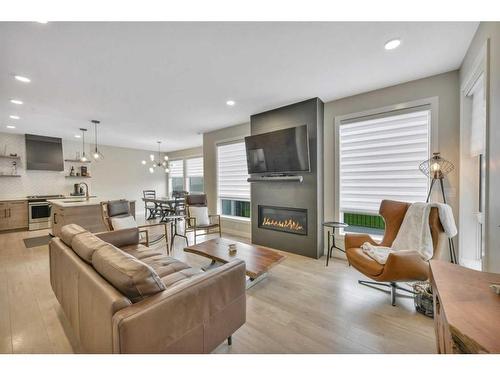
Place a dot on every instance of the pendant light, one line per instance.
(83, 158)
(97, 154)
(159, 163)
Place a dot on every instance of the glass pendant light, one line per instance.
(83, 158)
(97, 154)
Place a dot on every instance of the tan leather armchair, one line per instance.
(404, 265)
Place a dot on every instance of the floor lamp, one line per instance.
(437, 168)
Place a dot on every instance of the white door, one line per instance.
(473, 174)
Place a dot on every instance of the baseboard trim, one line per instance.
(238, 233)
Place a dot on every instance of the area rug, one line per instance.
(37, 241)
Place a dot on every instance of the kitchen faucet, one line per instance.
(87, 197)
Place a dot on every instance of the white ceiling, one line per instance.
(170, 81)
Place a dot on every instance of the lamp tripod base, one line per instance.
(451, 245)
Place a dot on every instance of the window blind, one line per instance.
(194, 167)
(379, 159)
(176, 168)
(232, 171)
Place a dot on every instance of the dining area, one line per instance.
(183, 212)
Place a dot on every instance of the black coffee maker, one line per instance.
(77, 190)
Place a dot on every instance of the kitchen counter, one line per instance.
(79, 201)
(10, 199)
(77, 210)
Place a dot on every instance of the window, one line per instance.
(194, 175)
(176, 176)
(232, 187)
(378, 159)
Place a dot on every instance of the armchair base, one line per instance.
(393, 288)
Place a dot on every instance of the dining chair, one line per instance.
(198, 220)
(150, 207)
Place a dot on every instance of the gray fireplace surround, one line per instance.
(288, 232)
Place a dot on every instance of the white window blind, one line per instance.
(176, 168)
(194, 167)
(232, 171)
(379, 159)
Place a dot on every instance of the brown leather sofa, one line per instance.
(122, 297)
(404, 265)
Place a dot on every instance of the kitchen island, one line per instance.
(86, 213)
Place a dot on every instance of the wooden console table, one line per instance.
(466, 310)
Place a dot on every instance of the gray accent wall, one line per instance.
(307, 195)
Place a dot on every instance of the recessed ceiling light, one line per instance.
(14, 117)
(44, 22)
(23, 79)
(392, 44)
(16, 101)
(11, 127)
(231, 102)
(77, 136)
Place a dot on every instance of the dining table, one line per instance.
(169, 213)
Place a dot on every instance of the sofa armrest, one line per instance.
(192, 317)
(353, 240)
(120, 238)
(405, 265)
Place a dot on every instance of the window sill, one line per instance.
(236, 218)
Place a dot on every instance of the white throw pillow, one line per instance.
(201, 215)
(123, 222)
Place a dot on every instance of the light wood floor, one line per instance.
(302, 307)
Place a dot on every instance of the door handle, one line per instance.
(55, 214)
(10, 212)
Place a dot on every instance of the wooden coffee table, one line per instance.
(258, 259)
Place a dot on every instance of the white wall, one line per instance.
(443, 86)
(489, 31)
(119, 175)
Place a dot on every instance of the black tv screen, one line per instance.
(44, 153)
(281, 151)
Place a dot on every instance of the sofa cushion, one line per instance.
(165, 265)
(133, 278)
(174, 278)
(140, 251)
(85, 244)
(69, 231)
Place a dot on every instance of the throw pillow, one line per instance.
(123, 222)
(201, 215)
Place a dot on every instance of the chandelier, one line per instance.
(157, 163)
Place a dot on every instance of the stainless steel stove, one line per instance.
(39, 210)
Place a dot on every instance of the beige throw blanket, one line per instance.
(415, 233)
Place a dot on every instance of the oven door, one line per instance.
(39, 212)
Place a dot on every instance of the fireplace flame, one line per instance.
(285, 224)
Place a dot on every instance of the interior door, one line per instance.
(473, 174)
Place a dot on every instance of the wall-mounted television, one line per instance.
(281, 151)
(44, 153)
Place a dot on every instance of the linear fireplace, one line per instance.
(283, 219)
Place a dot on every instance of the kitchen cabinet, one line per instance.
(13, 214)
